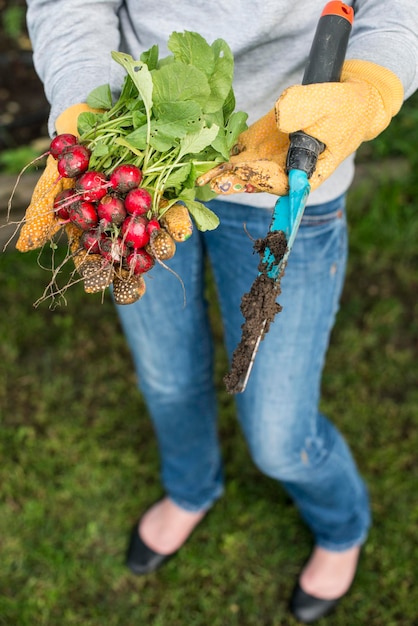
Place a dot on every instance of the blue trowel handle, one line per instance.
(324, 65)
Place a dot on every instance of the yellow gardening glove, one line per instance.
(340, 115)
(40, 223)
(257, 162)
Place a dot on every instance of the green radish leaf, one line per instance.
(185, 112)
(196, 142)
(220, 144)
(229, 105)
(205, 193)
(138, 138)
(176, 82)
(129, 91)
(140, 75)
(202, 167)
(229, 133)
(135, 104)
(126, 121)
(120, 141)
(178, 176)
(150, 57)
(101, 149)
(192, 49)
(138, 119)
(87, 121)
(204, 217)
(157, 137)
(221, 78)
(161, 141)
(176, 119)
(100, 98)
(107, 163)
(236, 125)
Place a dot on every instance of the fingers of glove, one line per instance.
(223, 180)
(261, 137)
(257, 163)
(40, 222)
(178, 222)
(66, 122)
(227, 184)
(264, 175)
(335, 113)
(250, 176)
(219, 170)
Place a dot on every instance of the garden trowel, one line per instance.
(259, 306)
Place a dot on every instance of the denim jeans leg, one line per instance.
(288, 437)
(172, 350)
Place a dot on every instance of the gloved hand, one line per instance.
(40, 223)
(340, 115)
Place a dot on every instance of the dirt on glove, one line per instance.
(259, 307)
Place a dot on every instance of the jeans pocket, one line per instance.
(321, 242)
(324, 215)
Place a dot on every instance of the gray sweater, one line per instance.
(270, 40)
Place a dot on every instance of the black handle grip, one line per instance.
(324, 65)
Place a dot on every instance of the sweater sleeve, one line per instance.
(72, 40)
(386, 33)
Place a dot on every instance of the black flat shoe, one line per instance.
(307, 609)
(140, 558)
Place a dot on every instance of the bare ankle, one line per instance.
(328, 575)
(166, 526)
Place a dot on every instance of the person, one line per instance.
(288, 437)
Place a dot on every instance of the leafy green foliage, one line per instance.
(13, 21)
(174, 117)
(16, 159)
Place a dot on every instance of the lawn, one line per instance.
(79, 460)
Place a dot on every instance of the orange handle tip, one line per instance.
(339, 8)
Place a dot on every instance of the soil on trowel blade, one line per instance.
(258, 307)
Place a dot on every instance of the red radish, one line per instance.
(111, 210)
(84, 215)
(91, 240)
(63, 202)
(138, 201)
(93, 186)
(73, 161)
(153, 225)
(60, 142)
(125, 177)
(140, 261)
(113, 250)
(134, 231)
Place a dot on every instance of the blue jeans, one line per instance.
(288, 438)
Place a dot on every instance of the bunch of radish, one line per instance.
(127, 185)
(114, 212)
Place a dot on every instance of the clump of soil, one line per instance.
(259, 307)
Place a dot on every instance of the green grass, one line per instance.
(79, 460)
